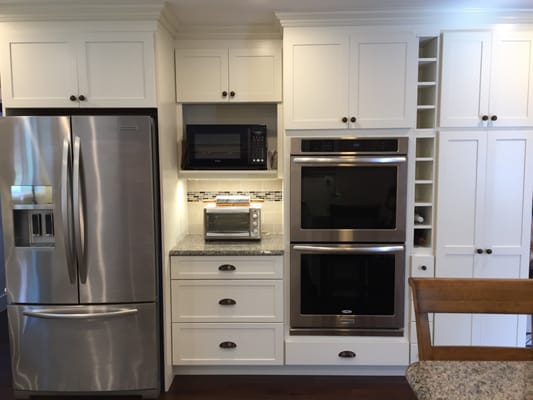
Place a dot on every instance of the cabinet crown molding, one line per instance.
(80, 10)
(455, 18)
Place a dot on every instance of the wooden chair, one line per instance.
(482, 296)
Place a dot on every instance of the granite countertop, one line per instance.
(471, 380)
(196, 245)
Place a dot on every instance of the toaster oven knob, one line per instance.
(254, 215)
(254, 223)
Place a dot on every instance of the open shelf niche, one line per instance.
(425, 142)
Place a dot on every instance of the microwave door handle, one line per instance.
(349, 160)
(331, 249)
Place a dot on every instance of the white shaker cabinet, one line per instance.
(483, 222)
(79, 70)
(228, 75)
(227, 310)
(487, 79)
(336, 79)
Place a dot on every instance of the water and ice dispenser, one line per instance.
(33, 215)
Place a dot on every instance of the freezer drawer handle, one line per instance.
(227, 302)
(52, 314)
(227, 345)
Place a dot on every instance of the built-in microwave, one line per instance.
(225, 147)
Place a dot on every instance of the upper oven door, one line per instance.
(348, 198)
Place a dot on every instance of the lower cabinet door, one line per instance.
(227, 344)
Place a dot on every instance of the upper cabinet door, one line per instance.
(336, 78)
(202, 75)
(383, 80)
(487, 79)
(39, 73)
(81, 70)
(116, 70)
(316, 85)
(511, 84)
(465, 79)
(228, 75)
(255, 75)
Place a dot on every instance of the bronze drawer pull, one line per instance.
(227, 302)
(347, 354)
(227, 268)
(227, 345)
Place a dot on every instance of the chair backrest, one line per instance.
(481, 296)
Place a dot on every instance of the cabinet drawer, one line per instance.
(227, 301)
(214, 267)
(422, 266)
(369, 352)
(224, 344)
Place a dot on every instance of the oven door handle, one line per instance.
(349, 160)
(363, 249)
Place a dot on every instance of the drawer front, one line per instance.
(422, 266)
(227, 301)
(214, 267)
(226, 344)
(346, 353)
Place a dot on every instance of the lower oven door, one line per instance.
(347, 289)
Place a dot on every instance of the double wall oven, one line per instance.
(347, 232)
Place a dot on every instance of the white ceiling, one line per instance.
(191, 14)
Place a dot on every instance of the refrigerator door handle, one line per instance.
(78, 212)
(65, 173)
(57, 314)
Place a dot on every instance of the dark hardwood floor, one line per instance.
(254, 387)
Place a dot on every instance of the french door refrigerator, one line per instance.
(80, 231)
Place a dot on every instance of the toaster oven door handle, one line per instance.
(349, 160)
(361, 249)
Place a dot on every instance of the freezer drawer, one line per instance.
(84, 348)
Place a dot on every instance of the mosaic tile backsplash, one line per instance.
(270, 191)
(266, 196)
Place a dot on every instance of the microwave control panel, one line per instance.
(258, 148)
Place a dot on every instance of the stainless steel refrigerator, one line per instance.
(81, 251)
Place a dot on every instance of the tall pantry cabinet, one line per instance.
(484, 174)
